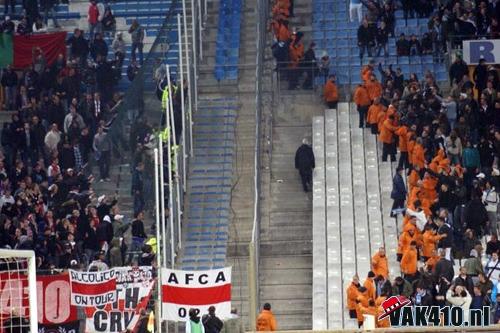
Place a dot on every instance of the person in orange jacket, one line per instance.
(362, 100)
(402, 133)
(387, 138)
(373, 87)
(367, 71)
(295, 53)
(371, 309)
(384, 323)
(283, 34)
(361, 301)
(373, 112)
(352, 296)
(409, 262)
(405, 240)
(418, 155)
(330, 93)
(370, 285)
(431, 262)
(430, 238)
(380, 264)
(266, 320)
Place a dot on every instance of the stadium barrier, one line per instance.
(494, 328)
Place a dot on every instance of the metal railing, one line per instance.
(254, 246)
(141, 112)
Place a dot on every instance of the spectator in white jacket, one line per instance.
(459, 296)
(490, 201)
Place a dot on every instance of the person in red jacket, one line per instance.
(93, 18)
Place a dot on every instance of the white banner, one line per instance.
(185, 290)
(133, 290)
(487, 49)
(92, 288)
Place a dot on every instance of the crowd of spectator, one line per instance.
(444, 186)
(56, 140)
(452, 21)
(295, 64)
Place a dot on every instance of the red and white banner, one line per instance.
(184, 290)
(133, 288)
(93, 288)
(53, 297)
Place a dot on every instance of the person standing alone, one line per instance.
(304, 162)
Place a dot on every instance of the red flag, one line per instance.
(51, 45)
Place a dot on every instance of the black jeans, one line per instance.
(403, 160)
(363, 110)
(332, 105)
(104, 161)
(389, 149)
(306, 177)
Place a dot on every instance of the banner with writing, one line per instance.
(53, 298)
(93, 288)
(185, 290)
(133, 291)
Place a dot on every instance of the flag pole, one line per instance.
(176, 159)
(184, 144)
(188, 74)
(162, 203)
(158, 249)
(170, 187)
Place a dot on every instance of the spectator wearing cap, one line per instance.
(266, 320)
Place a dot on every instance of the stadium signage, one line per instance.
(400, 313)
(53, 298)
(487, 49)
(92, 288)
(185, 290)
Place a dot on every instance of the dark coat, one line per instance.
(304, 158)
(398, 188)
(444, 268)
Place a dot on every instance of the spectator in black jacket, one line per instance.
(9, 83)
(480, 75)
(382, 39)
(443, 268)
(79, 46)
(304, 162)
(98, 47)
(402, 46)
(366, 39)
(415, 47)
(458, 70)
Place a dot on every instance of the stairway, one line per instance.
(355, 187)
(209, 186)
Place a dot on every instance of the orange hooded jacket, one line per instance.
(409, 262)
(330, 92)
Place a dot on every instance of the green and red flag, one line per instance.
(17, 50)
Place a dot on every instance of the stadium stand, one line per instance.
(115, 200)
(348, 212)
(228, 40)
(333, 33)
